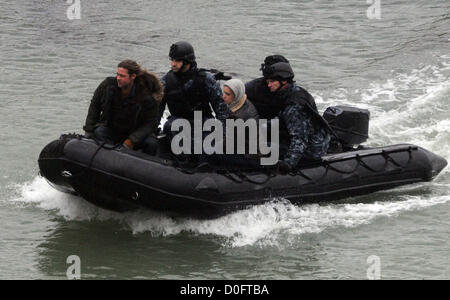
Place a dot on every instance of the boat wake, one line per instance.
(407, 108)
(277, 224)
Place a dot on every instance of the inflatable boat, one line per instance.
(120, 179)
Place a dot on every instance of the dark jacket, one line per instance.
(144, 116)
(194, 90)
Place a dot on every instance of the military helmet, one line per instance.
(279, 71)
(182, 51)
(272, 59)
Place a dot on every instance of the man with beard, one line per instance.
(124, 109)
(188, 88)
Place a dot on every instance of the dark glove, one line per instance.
(88, 135)
(221, 76)
(283, 167)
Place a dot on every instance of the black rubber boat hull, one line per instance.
(122, 180)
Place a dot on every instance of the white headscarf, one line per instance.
(238, 89)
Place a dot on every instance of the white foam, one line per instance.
(409, 107)
(277, 224)
(281, 222)
(404, 90)
(422, 121)
(38, 192)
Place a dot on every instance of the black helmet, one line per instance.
(279, 71)
(272, 59)
(182, 51)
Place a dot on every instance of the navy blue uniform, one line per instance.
(308, 133)
(303, 132)
(307, 140)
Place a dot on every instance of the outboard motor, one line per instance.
(351, 125)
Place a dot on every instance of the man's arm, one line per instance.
(95, 108)
(214, 93)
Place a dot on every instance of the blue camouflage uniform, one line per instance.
(301, 127)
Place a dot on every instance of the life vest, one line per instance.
(267, 106)
(186, 93)
(259, 94)
(299, 96)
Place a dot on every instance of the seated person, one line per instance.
(188, 89)
(240, 108)
(259, 93)
(124, 109)
(236, 99)
(304, 134)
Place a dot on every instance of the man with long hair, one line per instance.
(124, 109)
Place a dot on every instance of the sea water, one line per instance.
(391, 58)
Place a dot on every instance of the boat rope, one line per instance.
(299, 172)
(360, 162)
(389, 158)
(365, 165)
(233, 176)
(240, 175)
(99, 144)
(91, 160)
(329, 166)
(268, 174)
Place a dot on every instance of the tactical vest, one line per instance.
(259, 94)
(267, 106)
(182, 100)
(303, 98)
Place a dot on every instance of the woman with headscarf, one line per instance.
(241, 108)
(236, 99)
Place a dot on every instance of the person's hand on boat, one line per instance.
(283, 167)
(128, 144)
